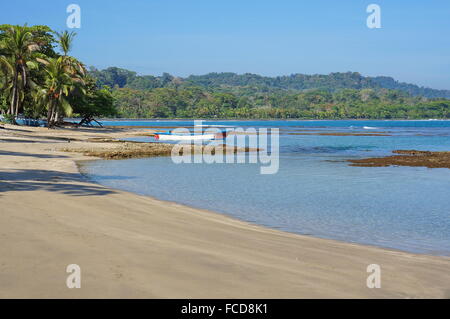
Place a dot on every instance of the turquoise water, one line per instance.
(315, 191)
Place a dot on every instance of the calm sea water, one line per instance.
(315, 191)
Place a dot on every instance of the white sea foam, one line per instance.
(206, 125)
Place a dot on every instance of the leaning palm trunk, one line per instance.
(59, 118)
(23, 84)
(54, 116)
(15, 94)
(50, 112)
(58, 85)
(18, 88)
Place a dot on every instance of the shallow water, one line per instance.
(315, 191)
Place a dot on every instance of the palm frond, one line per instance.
(66, 107)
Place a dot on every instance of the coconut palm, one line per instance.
(63, 76)
(17, 47)
(65, 41)
(6, 72)
(56, 88)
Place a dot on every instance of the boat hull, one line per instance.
(204, 137)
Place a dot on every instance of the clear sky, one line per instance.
(281, 37)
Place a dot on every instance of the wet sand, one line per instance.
(131, 246)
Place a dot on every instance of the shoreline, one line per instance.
(79, 164)
(256, 119)
(185, 251)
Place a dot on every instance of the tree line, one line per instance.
(227, 95)
(39, 79)
(232, 82)
(196, 102)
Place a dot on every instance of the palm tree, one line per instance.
(65, 41)
(56, 89)
(6, 71)
(74, 68)
(17, 47)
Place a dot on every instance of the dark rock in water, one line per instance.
(407, 158)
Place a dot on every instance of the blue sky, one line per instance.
(258, 36)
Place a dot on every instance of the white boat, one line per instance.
(199, 137)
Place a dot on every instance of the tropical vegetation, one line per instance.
(40, 80)
(233, 82)
(228, 95)
(38, 77)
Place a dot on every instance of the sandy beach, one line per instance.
(131, 246)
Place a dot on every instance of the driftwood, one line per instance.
(88, 121)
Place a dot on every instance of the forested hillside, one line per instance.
(232, 82)
(228, 95)
(39, 79)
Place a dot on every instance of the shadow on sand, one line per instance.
(52, 181)
(9, 153)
